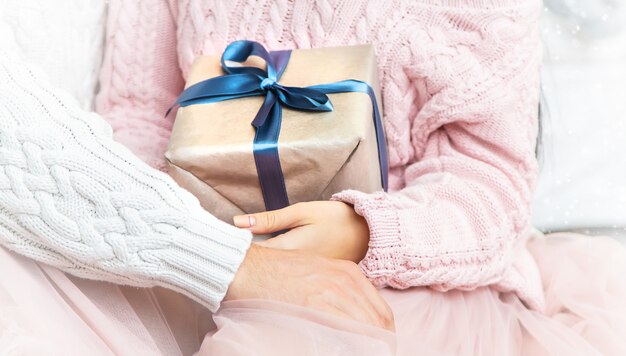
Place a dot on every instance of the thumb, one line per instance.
(270, 221)
(300, 238)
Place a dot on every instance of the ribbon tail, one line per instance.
(267, 161)
(263, 115)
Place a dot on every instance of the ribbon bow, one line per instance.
(244, 81)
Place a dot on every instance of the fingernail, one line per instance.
(244, 220)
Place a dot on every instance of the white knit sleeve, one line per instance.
(73, 198)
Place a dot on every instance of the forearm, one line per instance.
(448, 234)
(72, 197)
(469, 182)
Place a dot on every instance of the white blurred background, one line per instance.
(582, 183)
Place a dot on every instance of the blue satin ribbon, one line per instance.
(243, 81)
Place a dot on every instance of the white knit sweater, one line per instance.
(73, 198)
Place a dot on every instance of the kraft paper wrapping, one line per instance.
(321, 153)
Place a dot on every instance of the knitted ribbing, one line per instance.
(73, 198)
(459, 82)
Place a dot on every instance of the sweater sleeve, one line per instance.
(467, 195)
(140, 76)
(73, 198)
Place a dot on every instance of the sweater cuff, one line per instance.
(202, 258)
(383, 259)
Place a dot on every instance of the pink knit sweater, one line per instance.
(460, 94)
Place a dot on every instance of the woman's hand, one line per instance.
(325, 284)
(328, 228)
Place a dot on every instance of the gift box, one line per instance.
(313, 151)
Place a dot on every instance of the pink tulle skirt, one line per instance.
(46, 312)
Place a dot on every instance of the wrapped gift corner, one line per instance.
(210, 152)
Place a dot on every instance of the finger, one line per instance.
(331, 309)
(382, 309)
(368, 291)
(358, 310)
(362, 295)
(270, 221)
(337, 303)
(354, 290)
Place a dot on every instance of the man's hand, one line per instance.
(328, 228)
(328, 285)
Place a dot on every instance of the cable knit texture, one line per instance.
(73, 198)
(460, 94)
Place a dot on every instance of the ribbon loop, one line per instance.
(243, 81)
(240, 51)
